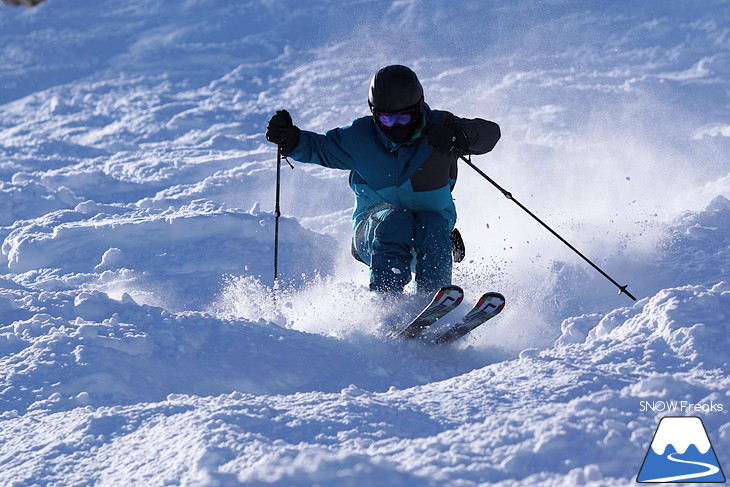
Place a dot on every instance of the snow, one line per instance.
(142, 341)
(690, 431)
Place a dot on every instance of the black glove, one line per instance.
(444, 138)
(281, 131)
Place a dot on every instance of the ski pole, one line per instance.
(277, 214)
(508, 195)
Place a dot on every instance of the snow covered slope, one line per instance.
(139, 341)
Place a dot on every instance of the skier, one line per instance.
(403, 165)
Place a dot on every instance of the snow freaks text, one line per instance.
(680, 407)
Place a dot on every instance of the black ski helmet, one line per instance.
(395, 88)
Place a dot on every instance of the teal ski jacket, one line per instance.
(410, 175)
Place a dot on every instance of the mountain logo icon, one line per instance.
(680, 452)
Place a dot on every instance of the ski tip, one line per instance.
(497, 301)
(455, 293)
(494, 295)
(491, 296)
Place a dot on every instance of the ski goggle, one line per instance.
(393, 119)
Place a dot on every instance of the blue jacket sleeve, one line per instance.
(328, 150)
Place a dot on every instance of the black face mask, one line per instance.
(400, 133)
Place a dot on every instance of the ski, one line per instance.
(488, 306)
(445, 300)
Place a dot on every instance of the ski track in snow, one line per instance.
(139, 342)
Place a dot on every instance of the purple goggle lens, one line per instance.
(391, 119)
